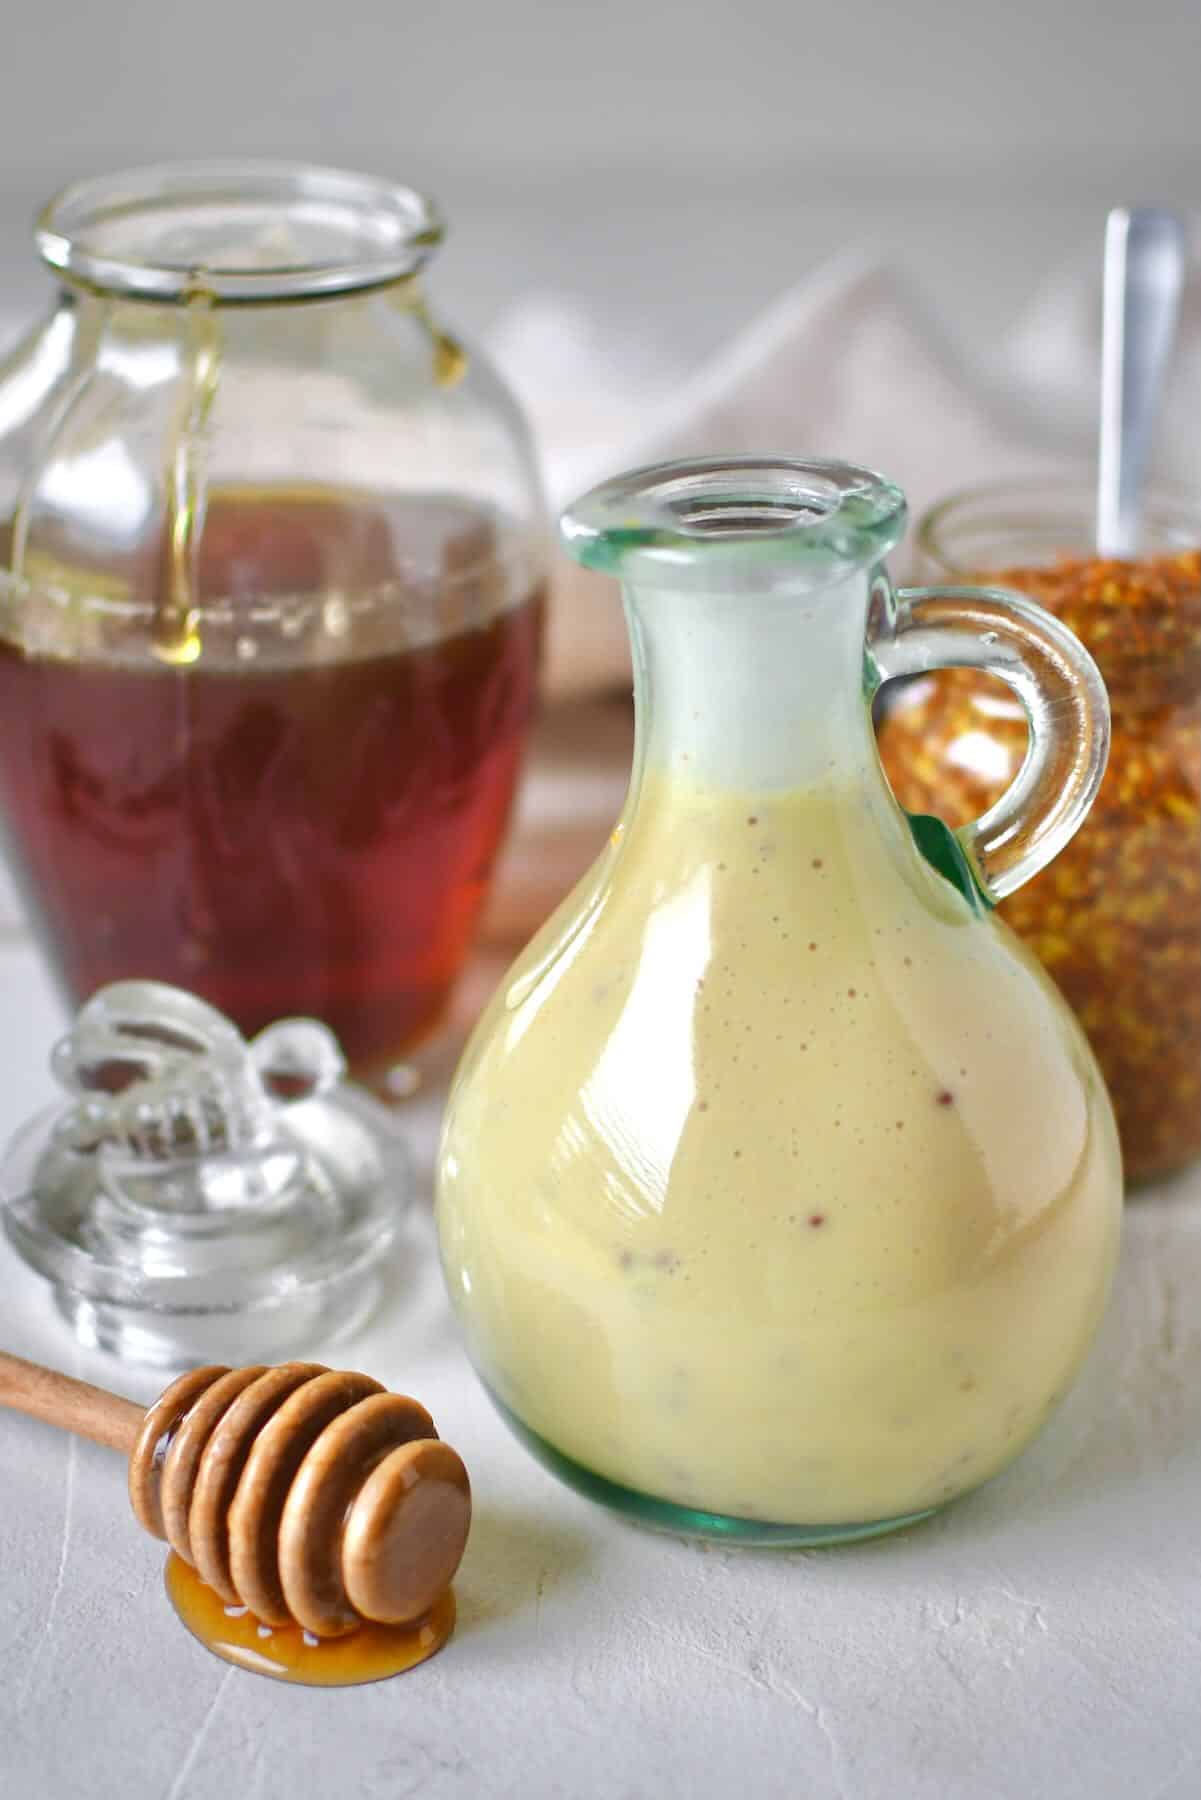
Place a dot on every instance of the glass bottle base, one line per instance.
(687, 1521)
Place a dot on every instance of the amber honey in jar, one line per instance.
(271, 567)
(301, 820)
(1116, 918)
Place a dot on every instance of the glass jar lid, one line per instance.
(197, 1195)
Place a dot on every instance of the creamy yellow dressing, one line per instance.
(774, 1183)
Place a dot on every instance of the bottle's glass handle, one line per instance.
(912, 631)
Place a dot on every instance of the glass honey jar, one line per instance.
(272, 561)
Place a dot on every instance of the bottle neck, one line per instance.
(752, 691)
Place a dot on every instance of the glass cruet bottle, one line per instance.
(779, 1193)
(271, 559)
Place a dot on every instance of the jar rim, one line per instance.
(1047, 517)
(236, 230)
(1140, 616)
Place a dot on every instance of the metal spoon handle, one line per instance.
(1144, 274)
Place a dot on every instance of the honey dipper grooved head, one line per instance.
(310, 1496)
(221, 1469)
(154, 1440)
(262, 1492)
(192, 1441)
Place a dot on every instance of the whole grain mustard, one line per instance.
(1116, 918)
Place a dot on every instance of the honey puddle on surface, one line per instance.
(287, 1653)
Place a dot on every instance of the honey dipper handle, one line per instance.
(77, 1406)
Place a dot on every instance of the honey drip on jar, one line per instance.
(176, 634)
(286, 1653)
(451, 361)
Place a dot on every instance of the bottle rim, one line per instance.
(236, 230)
(750, 508)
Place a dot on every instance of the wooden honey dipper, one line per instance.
(309, 1496)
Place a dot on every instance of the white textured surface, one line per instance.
(1040, 1641)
